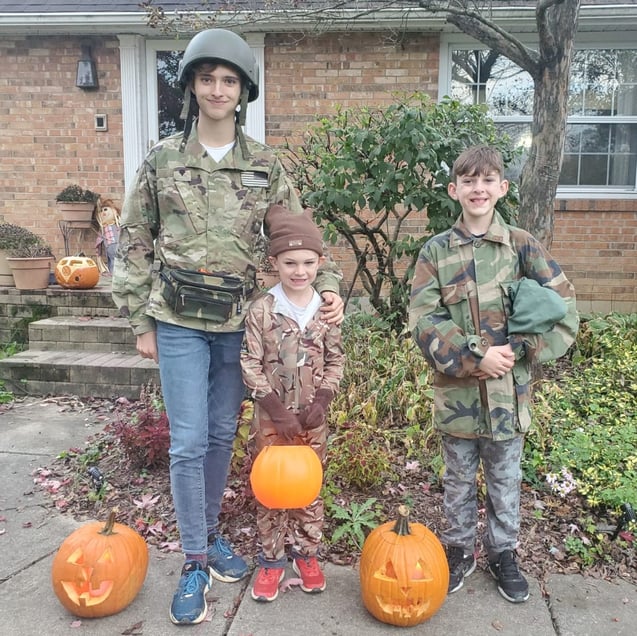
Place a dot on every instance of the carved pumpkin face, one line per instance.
(77, 272)
(285, 477)
(403, 572)
(98, 570)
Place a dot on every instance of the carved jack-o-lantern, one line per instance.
(403, 572)
(77, 272)
(99, 569)
(286, 476)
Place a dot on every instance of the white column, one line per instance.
(255, 120)
(135, 139)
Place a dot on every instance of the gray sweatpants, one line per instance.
(503, 476)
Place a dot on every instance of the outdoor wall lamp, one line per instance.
(86, 72)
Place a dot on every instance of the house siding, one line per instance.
(49, 138)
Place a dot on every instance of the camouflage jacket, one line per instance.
(278, 356)
(459, 307)
(186, 211)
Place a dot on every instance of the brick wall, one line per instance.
(48, 138)
(48, 131)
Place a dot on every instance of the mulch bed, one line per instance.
(142, 500)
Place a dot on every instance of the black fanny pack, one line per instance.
(208, 296)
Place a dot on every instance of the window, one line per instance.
(601, 138)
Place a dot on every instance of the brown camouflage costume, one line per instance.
(277, 356)
(187, 211)
(459, 307)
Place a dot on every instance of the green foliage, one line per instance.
(354, 521)
(6, 396)
(367, 171)
(586, 424)
(15, 236)
(19, 335)
(384, 403)
(76, 193)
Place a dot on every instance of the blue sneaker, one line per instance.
(223, 563)
(189, 605)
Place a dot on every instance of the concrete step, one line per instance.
(81, 373)
(85, 333)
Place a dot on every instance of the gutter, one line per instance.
(522, 19)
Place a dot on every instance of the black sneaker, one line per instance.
(460, 566)
(511, 584)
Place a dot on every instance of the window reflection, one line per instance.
(603, 84)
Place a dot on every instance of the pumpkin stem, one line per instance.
(402, 523)
(110, 522)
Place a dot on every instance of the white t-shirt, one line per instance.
(219, 153)
(301, 315)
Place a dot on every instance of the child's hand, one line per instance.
(285, 422)
(497, 361)
(314, 414)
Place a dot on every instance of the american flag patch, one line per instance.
(252, 179)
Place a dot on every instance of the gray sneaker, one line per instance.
(511, 584)
(460, 566)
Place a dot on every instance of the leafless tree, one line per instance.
(548, 65)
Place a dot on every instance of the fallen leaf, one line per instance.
(287, 584)
(134, 630)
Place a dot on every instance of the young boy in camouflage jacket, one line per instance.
(480, 339)
(292, 363)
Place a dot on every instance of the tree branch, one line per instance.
(477, 26)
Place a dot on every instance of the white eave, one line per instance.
(591, 18)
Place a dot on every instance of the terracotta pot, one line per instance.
(31, 273)
(79, 213)
(6, 276)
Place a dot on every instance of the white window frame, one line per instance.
(449, 42)
(138, 61)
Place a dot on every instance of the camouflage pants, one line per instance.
(503, 477)
(300, 529)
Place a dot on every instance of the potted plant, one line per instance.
(30, 261)
(12, 237)
(77, 205)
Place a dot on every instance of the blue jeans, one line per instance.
(203, 390)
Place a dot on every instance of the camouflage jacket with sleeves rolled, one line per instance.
(459, 306)
(187, 211)
(278, 356)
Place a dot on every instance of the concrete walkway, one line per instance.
(33, 432)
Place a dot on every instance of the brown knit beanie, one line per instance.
(289, 231)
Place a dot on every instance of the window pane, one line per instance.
(593, 83)
(600, 154)
(169, 95)
(479, 77)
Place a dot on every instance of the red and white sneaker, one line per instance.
(311, 574)
(266, 585)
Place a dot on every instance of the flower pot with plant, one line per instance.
(30, 263)
(77, 205)
(13, 237)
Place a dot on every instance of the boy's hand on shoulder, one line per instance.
(333, 308)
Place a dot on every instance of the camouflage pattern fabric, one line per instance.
(503, 477)
(459, 306)
(186, 211)
(278, 356)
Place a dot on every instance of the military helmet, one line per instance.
(225, 46)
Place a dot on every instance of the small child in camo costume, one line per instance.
(292, 363)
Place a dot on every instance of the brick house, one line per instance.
(55, 132)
